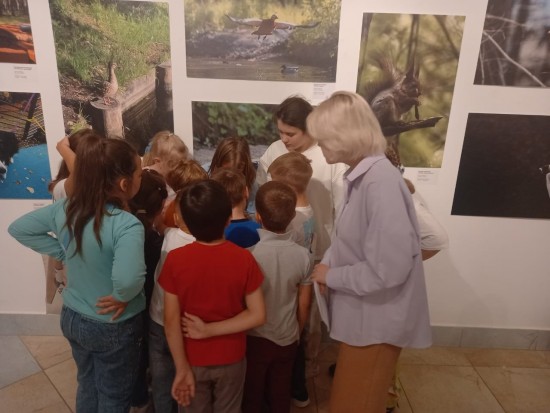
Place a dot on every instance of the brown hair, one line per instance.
(185, 172)
(234, 153)
(293, 111)
(276, 205)
(293, 169)
(167, 147)
(99, 166)
(74, 139)
(233, 182)
(148, 202)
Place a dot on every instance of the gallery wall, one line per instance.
(485, 188)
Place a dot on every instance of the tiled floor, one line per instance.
(37, 374)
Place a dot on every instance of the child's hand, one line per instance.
(193, 327)
(109, 304)
(183, 388)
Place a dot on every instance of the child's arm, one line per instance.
(69, 157)
(304, 304)
(183, 388)
(252, 316)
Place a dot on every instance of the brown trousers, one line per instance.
(362, 378)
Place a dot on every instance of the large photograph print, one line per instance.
(16, 41)
(114, 66)
(503, 166)
(515, 44)
(275, 40)
(24, 162)
(407, 71)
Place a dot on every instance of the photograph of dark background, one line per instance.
(499, 172)
(515, 44)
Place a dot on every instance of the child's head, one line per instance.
(275, 206)
(166, 149)
(234, 153)
(293, 169)
(205, 207)
(185, 172)
(290, 117)
(149, 201)
(234, 183)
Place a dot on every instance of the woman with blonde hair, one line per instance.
(372, 272)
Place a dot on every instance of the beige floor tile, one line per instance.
(508, 358)
(435, 356)
(33, 394)
(447, 389)
(63, 377)
(519, 390)
(48, 350)
(404, 405)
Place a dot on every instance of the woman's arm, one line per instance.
(68, 155)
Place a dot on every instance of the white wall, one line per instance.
(496, 272)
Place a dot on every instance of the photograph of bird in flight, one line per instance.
(269, 40)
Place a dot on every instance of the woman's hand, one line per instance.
(109, 304)
(319, 275)
(193, 327)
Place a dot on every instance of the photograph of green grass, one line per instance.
(270, 40)
(407, 71)
(113, 58)
(16, 42)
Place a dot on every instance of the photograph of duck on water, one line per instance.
(270, 40)
(16, 41)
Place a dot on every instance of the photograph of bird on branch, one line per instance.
(515, 44)
(114, 65)
(16, 41)
(273, 40)
(407, 71)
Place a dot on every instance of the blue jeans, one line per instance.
(106, 356)
(163, 371)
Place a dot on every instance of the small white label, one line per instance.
(427, 176)
(321, 91)
(22, 72)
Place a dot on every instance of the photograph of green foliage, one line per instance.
(24, 161)
(409, 62)
(273, 40)
(515, 44)
(503, 166)
(16, 42)
(214, 121)
(114, 66)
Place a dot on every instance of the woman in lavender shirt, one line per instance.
(372, 273)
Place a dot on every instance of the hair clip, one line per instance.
(141, 211)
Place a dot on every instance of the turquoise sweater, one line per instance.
(116, 268)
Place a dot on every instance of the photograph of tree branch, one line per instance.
(407, 71)
(274, 40)
(113, 58)
(503, 167)
(515, 44)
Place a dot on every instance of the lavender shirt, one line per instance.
(376, 278)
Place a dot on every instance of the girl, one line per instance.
(102, 246)
(166, 149)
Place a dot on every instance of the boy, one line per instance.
(294, 169)
(271, 348)
(218, 282)
(241, 230)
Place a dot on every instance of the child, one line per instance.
(160, 360)
(216, 281)
(241, 230)
(165, 150)
(102, 245)
(271, 348)
(294, 169)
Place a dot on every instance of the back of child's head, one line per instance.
(293, 169)
(100, 166)
(185, 172)
(234, 183)
(234, 153)
(293, 111)
(147, 204)
(276, 205)
(167, 148)
(205, 207)
(74, 140)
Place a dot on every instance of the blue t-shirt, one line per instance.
(242, 232)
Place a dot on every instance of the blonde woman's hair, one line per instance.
(347, 126)
(293, 169)
(167, 147)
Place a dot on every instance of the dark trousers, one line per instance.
(268, 375)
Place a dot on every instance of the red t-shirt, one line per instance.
(211, 282)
